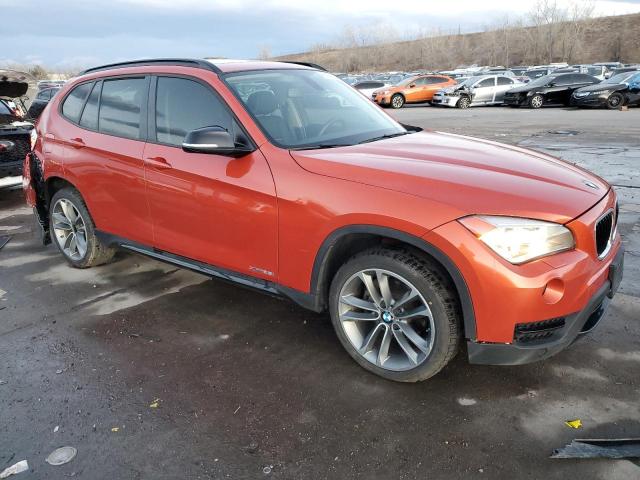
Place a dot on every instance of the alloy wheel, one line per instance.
(536, 101)
(386, 319)
(69, 229)
(397, 101)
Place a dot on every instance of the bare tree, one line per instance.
(265, 52)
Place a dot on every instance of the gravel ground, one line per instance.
(249, 386)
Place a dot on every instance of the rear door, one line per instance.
(103, 145)
(504, 84)
(216, 209)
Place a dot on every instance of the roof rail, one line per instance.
(306, 64)
(185, 62)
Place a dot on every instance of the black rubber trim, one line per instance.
(324, 253)
(306, 64)
(511, 354)
(178, 62)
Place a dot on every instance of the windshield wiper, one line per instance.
(382, 137)
(322, 145)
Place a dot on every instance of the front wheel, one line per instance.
(397, 101)
(396, 314)
(536, 101)
(464, 102)
(615, 101)
(73, 231)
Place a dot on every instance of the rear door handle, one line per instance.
(160, 163)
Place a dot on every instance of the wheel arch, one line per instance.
(346, 241)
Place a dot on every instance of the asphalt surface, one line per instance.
(249, 386)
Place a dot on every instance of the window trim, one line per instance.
(142, 136)
(84, 106)
(151, 109)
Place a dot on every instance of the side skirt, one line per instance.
(303, 299)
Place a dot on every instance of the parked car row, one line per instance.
(555, 88)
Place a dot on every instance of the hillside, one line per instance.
(615, 38)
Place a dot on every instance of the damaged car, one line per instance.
(15, 130)
(554, 89)
(615, 92)
(480, 90)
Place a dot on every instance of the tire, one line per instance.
(65, 204)
(463, 103)
(536, 101)
(397, 101)
(433, 338)
(615, 101)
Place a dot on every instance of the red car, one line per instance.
(281, 177)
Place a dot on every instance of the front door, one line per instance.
(483, 91)
(216, 209)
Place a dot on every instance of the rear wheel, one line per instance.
(615, 101)
(536, 101)
(464, 102)
(396, 314)
(397, 101)
(73, 230)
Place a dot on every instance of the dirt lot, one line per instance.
(250, 386)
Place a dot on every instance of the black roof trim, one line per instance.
(306, 64)
(183, 62)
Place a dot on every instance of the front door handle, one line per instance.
(77, 143)
(160, 163)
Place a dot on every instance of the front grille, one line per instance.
(538, 331)
(605, 227)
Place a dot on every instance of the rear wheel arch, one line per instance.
(54, 184)
(347, 241)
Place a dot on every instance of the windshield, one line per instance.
(619, 78)
(300, 109)
(542, 81)
(535, 73)
(469, 82)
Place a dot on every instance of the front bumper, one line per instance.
(381, 99)
(10, 169)
(589, 101)
(445, 100)
(575, 325)
(518, 100)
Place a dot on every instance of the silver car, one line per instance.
(480, 90)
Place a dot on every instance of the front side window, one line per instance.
(310, 109)
(121, 105)
(183, 105)
(72, 106)
(487, 82)
(504, 81)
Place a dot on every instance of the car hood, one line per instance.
(600, 86)
(467, 175)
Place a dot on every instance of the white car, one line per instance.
(480, 90)
(367, 87)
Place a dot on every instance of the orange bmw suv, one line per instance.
(281, 177)
(418, 89)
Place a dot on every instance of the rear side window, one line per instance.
(89, 118)
(504, 81)
(72, 106)
(121, 105)
(183, 105)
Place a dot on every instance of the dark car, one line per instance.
(554, 89)
(15, 133)
(41, 101)
(621, 89)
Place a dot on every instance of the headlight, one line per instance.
(519, 240)
(33, 137)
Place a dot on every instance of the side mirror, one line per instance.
(413, 85)
(215, 140)
(551, 84)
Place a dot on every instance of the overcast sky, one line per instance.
(79, 33)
